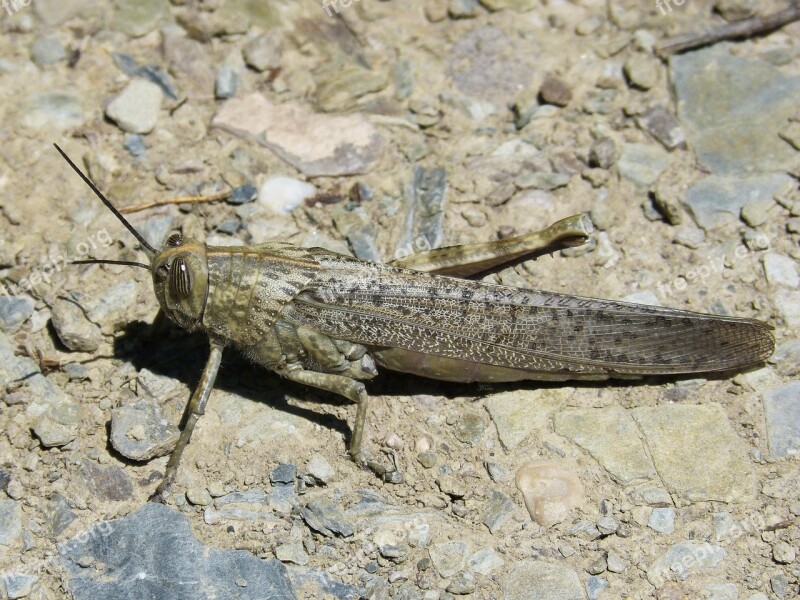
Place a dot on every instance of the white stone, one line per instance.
(136, 108)
(281, 194)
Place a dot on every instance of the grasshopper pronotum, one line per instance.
(326, 320)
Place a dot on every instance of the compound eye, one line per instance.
(180, 278)
(174, 240)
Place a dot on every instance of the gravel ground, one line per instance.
(380, 129)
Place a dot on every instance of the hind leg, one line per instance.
(473, 259)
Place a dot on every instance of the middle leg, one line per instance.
(355, 392)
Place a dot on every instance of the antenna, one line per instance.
(104, 261)
(147, 247)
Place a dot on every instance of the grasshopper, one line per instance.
(328, 320)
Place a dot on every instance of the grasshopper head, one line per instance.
(180, 280)
(179, 269)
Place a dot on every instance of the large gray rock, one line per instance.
(153, 554)
(732, 109)
(718, 200)
(678, 434)
(512, 415)
(610, 435)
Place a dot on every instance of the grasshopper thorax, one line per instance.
(180, 280)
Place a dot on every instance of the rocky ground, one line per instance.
(380, 129)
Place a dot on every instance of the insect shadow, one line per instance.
(172, 352)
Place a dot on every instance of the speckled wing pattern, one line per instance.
(518, 328)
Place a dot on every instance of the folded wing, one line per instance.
(524, 329)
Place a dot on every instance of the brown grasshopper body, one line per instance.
(325, 320)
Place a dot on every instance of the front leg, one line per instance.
(194, 410)
(355, 392)
(474, 259)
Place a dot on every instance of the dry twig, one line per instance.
(182, 200)
(755, 26)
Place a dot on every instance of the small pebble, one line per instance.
(780, 585)
(550, 491)
(662, 520)
(641, 71)
(47, 51)
(18, 585)
(58, 426)
(595, 586)
(394, 441)
(243, 194)
(603, 216)
(462, 584)
(225, 83)
(136, 108)
(555, 91)
(436, 10)
(475, 217)
(691, 237)
(452, 486)
(292, 552)
(76, 371)
(427, 459)
(756, 213)
(283, 473)
(783, 553)
(141, 432)
(736, 10)
(462, 9)
(15, 490)
(198, 496)
(53, 110)
(566, 550)
(134, 143)
(607, 525)
(615, 563)
(663, 126)
(264, 52)
(542, 181)
(596, 566)
(74, 330)
(14, 311)
(603, 153)
(320, 469)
